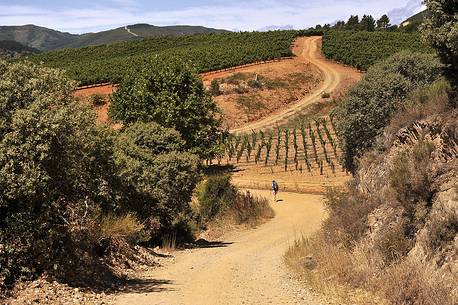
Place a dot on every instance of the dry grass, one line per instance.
(359, 276)
(333, 270)
(125, 226)
(414, 283)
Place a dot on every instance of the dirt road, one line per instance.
(246, 268)
(309, 50)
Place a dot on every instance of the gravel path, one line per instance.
(246, 268)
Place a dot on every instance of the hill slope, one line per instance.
(45, 39)
(37, 37)
(207, 52)
(12, 49)
(412, 23)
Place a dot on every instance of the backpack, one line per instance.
(275, 186)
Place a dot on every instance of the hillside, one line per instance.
(411, 24)
(37, 37)
(207, 52)
(12, 49)
(45, 39)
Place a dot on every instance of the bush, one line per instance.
(214, 88)
(412, 283)
(412, 181)
(126, 227)
(348, 211)
(55, 167)
(219, 199)
(98, 100)
(369, 106)
(173, 96)
(442, 230)
(215, 195)
(156, 171)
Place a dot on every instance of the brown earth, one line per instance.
(337, 80)
(246, 266)
(243, 268)
(277, 105)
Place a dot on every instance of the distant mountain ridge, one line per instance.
(45, 39)
(413, 23)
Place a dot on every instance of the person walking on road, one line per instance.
(274, 190)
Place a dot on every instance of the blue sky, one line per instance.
(78, 16)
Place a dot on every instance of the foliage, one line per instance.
(441, 31)
(367, 23)
(362, 49)
(173, 95)
(218, 199)
(215, 88)
(368, 107)
(216, 195)
(207, 52)
(154, 167)
(97, 100)
(55, 167)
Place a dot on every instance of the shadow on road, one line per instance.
(202, 244)
(145, 286)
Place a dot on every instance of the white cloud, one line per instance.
(412, 7)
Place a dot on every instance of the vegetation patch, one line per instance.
(361, 49)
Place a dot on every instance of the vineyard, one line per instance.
(207, 52)
(309, 148)
(363, 49)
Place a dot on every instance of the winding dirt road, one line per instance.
(309, 50)
(245, 268)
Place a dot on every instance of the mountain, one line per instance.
(411, 24)
(12, 49)
(37, 37)
(45, 39)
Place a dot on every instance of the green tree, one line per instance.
(171, 94)
(155, 168)
(383, 22)
(441, 31)
(353, 22)
(367, 23)
(368, 107)
(55, 166)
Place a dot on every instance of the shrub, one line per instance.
(219, 199)
(442, 230)
(369, 106)
(173, 96)
(125, 226)
(55, 166)
(98, 100)
(214, 88)
(412, 283)
(348, 211)
(412, 181)
(215, 196)
(393, 244)
(156, 171)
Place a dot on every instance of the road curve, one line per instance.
(249, 269)
(308, 49)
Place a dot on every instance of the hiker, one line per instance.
(275, 190)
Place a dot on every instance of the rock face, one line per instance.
(435, 239)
